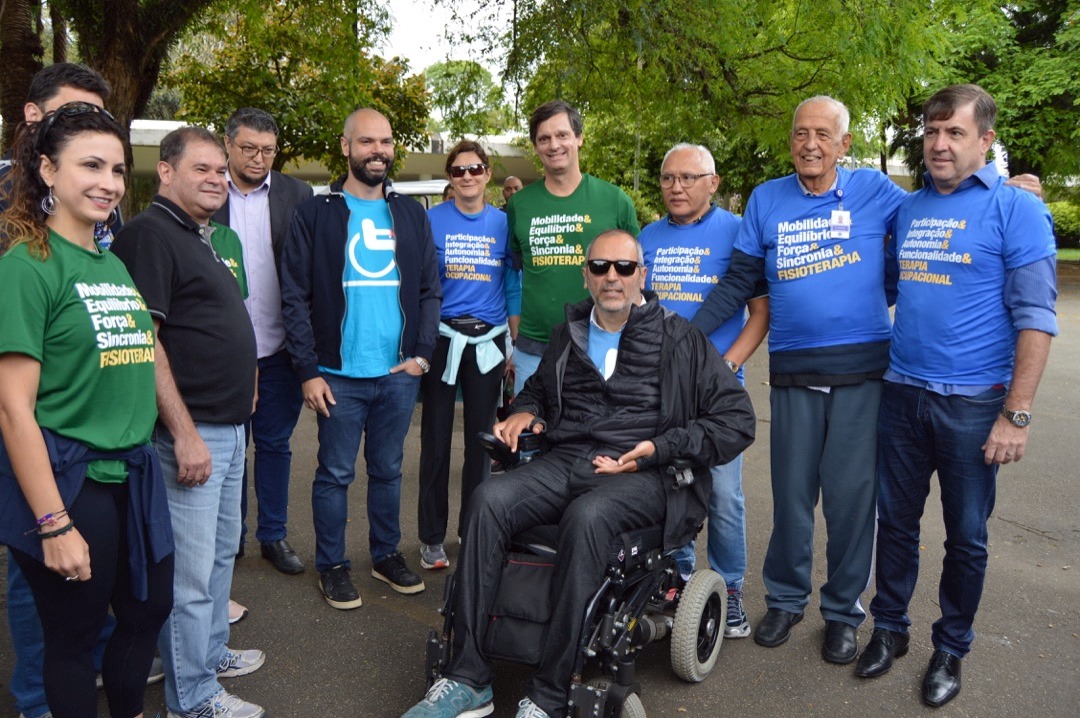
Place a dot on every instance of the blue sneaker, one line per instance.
(450, 699)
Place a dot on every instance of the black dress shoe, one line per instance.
(281, 554)
(775, 628)
(884, 646)
(942, 681)
(841, 644)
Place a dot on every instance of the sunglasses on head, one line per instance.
(458, 171)
(69, 109)
(623, 267)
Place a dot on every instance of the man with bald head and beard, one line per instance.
(361, 299)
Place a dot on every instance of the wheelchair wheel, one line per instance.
(631, 707)
(699, 626)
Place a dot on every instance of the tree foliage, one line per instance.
(467, 98)
(127, 41)
(308, 63)
(729, 73)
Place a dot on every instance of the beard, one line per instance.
(250, 179)
(359, 169)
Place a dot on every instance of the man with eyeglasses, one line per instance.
(361, 300)
(551, 225)
(687, 252)
(259, 208)
(624, 388)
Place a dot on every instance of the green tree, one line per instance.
(726, 73)
(467, 98)
(127, 41)
(308, 63)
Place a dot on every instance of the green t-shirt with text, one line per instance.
(551, 234)
(226, 243)
(78, 314)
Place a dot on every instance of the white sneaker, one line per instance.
(235, 707)
(240, 663)
(528, 709)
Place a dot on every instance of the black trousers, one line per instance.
(591, 510)
(479, 397)
(73, 612)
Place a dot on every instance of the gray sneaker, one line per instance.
(737, 624)
(528, 709)
(450, 699)
(240, 663)
(234, 707)
(433, 557)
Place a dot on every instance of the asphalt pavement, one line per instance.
(1025, 662)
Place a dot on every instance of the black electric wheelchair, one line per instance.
(642, 599)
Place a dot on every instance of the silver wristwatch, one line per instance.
(1019, 419)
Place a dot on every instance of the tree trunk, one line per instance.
(20, 57)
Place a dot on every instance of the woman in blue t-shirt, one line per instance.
(481, 294)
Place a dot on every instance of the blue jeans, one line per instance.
(379, 411)
(271, 427)
(727, 527)
(525, 365)
(920, 432)
(206, 523)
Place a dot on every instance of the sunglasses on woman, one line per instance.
(476, 170)
(69, 109)
(623, 267)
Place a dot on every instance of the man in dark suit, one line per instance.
(259, 208)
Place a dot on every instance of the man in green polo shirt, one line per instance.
(552, 223)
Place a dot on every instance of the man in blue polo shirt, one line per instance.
(687, 252)
(973, 269)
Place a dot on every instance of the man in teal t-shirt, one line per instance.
(551, 225)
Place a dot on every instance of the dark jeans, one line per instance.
(271, 427)
(479, 398)
(379, 411)
(921, 432)
(73, 612)
(591, 510)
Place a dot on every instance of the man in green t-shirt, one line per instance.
(551, 225)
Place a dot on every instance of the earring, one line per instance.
(48, 203)
(113, 216)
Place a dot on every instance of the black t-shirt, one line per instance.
(205, 329)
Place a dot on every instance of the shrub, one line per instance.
(1066, 223)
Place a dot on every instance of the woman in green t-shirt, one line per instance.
(81, 494)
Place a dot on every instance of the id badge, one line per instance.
(840, 224)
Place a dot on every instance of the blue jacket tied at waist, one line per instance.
(150, 534)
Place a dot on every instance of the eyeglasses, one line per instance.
(476, 170)
(70, 109)
(687, 181)
(250, 151)
(623, 267)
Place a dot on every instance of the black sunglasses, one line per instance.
(623, 267)
(458, 171)
(70, 109)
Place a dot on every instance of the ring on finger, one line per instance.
(72, 578)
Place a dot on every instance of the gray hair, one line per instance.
(702, 152)
(843, 116)
(616, 230)
(251, 118)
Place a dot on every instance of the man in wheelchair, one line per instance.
(624, 389)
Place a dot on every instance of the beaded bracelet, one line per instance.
(57, 532)
(50, 519)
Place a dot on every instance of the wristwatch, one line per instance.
(425, 365)
(1019, 419)
(732, 365)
